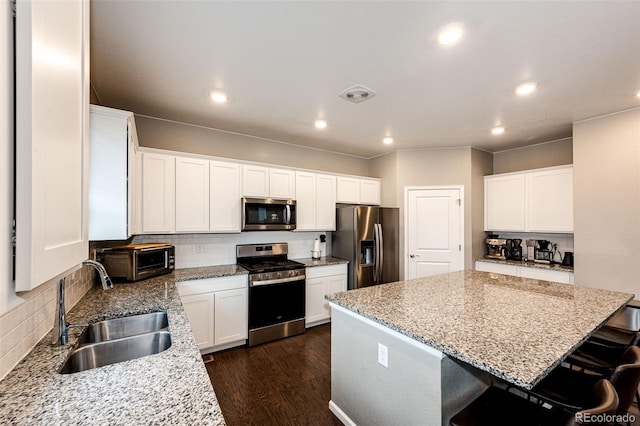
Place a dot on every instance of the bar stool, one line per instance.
(622, 330)
(568, 389)
(499, 407)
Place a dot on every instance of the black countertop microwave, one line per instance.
(268, 214)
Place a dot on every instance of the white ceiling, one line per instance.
(283, 64)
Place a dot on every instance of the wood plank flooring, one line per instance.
(286, 382)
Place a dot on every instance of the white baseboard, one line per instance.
(340, 414)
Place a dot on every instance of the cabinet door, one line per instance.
(255, 181)
(231, 315)
(315, 309)
(370, 192)
(550, 200)
(498, 268)
(306, 205)
(192, 195)
(200, 312)
(282, 184)
(325, 202)
(225, 206)
(504, 203)
(348, 190)
(52, 136)
(158, 193)
(546, 275)
(335, 284)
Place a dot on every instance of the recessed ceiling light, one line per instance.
(526, 88)
(320, 124)
(450, 34)
(218, 97)
(387, 140)
(498, 130)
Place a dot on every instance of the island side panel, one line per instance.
(420, 386)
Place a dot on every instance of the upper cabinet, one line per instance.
(52, 139)
(112, 174)
(158, 193)
(315, 202)
(224, 187)
(353, 190)
(192, 194)
(267, 182)
(533, 201)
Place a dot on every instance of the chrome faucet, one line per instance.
(60, 325)
(104, 277)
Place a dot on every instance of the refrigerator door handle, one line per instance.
(376, 251)
(381, 252)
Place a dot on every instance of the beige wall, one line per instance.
(162, 134)
(553, 153)
(606, 197)
(385, 168)
(481, 166)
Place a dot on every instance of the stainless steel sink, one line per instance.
(123, 327)
(96, 355)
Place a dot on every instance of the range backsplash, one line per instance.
(194, 250)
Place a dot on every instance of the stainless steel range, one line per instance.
(276, 291)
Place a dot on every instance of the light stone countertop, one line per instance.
(170, 388)
(517, 329)
(323, 261)
(550, 267)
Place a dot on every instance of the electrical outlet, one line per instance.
(201, 248)
(383, 355)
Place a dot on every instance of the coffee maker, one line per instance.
(497, 248)
(515, 249)
(543, 254)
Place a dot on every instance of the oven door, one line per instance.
(266, 214)
(276, 303)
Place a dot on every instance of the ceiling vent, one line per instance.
(357, 94)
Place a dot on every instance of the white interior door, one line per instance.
(433, 231)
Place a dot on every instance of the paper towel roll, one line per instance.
(316, 245)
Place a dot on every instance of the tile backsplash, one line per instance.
(194, 250)
(23, 326)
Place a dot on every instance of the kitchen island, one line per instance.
(416, 352)
(171, 387)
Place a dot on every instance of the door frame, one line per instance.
(405, 248)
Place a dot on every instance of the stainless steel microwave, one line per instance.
(267, 214)
(137, 262)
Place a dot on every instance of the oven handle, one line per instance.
(277, 281)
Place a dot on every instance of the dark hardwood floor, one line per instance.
(286, 382)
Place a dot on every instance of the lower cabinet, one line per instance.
(565, 277)
(320, 281)
(217, 311)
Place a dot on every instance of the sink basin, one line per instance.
(123, 327)
(108, 352)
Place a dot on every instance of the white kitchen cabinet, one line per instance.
(200, 310)
(52, 139)
(550, 200)
(217, 309)
(554, 275)
(538, 200)
(224, 197)
(192, 195)
(370, 191)
(353, 190)
(268, 182)
(320, 281)
(315, 202)
(348, 190)
(504, 205)
(158, 193)
(282, 184)
(230, 318)
(112, 174)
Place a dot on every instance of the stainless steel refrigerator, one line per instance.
(367, 237)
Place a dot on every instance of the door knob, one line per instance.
(414, 255)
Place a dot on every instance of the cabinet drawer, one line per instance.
(497, 268)
(208, 285)
(326, 271)
(546, 275)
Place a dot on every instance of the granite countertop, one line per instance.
(171, 387)
(548, 266)
(517, 329)
(323, 261)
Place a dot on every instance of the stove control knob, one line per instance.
(279, 275)
(292, 273)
